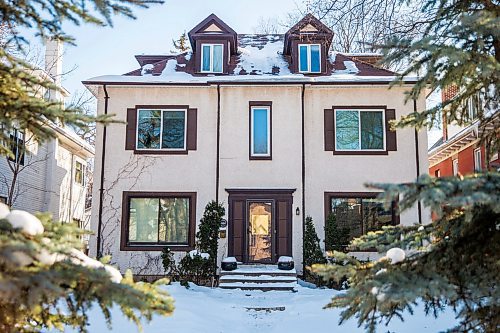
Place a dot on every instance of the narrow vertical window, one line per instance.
(477, 160)
(309, 58)
(260, 131)
(79, 176)
(455, 167)
(212, 56)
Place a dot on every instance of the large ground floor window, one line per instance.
(359, 212)
(154, 220)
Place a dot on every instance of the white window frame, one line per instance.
(83, 173)
(359, 129)
(161, 130)
(455, 166)
(268, 109)
(477, 160)
(309, 58)
(211, 58)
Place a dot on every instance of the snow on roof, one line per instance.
(259, 59)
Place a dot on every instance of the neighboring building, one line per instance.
(458, 151)
(50, 175)
(275, 127)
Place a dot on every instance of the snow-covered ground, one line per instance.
(205, 310)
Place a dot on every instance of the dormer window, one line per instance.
(309, 58)
(212, 58)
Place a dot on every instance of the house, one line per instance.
(48, 176)
(459, 151)
(275, 127)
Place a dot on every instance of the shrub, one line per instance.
(208, 233)
(336, 238)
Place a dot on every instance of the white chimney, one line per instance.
(53, 59)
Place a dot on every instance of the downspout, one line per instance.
(217, 166)
(101, 185)
(417, 159)
(71, 183)
(303, 175)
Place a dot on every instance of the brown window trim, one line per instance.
(363, 195)
(267, 104)
(126, 246)
(385, 110)
(164, 151)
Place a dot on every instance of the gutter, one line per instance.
(217, 166)
(101, 183)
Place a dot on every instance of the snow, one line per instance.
(4, 210)
(28, 223)
(229, 259)
(114, 274)
(285, 259)
(21, 258)
(257, 278)
(201, 309)
(396, 255)
(262, 58)
(350, 68)
(194, 253)
(262, 269)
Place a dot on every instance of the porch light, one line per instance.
(297, 211)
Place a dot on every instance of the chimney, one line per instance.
(53, 59)
(447, 93)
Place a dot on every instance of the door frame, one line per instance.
(273, 230)
(245, 195)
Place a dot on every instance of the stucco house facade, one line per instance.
(48, 176)
(274, 127)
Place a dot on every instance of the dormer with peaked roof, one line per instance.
(213, 43)
(307, 44)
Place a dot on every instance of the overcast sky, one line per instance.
(102, 51)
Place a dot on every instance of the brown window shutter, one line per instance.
(192, 120)
(391, 145)
(130, 134)
(329, 130)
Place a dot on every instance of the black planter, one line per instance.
(229, 266)
(286, 266)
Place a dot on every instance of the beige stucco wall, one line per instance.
(195, 172)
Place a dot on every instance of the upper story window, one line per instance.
(359, 130)
(212, 56)
(455, 167)
(477, 160)
(473, 104)
(309, 58)
(260, 132)
(79, 173)
(17, 146)
(161, 129)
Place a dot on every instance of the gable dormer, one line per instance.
(213, 43)
(307, 44)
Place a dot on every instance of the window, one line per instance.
(79, 176)
(359, 130)
(360, 213)
(260, 132)
(309, 58)
(159, 219)
(473, 104)
(477, 159)
(212, 58)
(161, 129)
(17, 146)
(455, 167)
(437, 173)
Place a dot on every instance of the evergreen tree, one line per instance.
(312, 250)
(454, 260)
(208, 233)
(181, 44)
(336, 238)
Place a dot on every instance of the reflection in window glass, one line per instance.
(174, 220)
(205, 67)
(260, 131)
(217, 55)
(372, 130)
(148, 129)
(173, 129)
(143, 220)
(303, 58)
(315, 59)
(347, 130)
(360, 215)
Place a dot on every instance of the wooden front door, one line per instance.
(260, 225)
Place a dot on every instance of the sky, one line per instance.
(106, 50)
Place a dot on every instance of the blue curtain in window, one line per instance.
(217, 58)
(315, 59)
(260, 131)
(303, 67)
(206, 58)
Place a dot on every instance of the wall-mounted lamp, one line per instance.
(297, 211)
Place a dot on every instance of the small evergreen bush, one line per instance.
(336, 238)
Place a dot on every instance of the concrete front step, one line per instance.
(258, 277)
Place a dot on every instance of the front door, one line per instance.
(260, 231)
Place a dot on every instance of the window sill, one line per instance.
(260, 158)
(156, 247)
(160, 152)
(361, 152)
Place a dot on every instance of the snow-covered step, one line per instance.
(259, 270)
(257, 278)
(259, 286)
